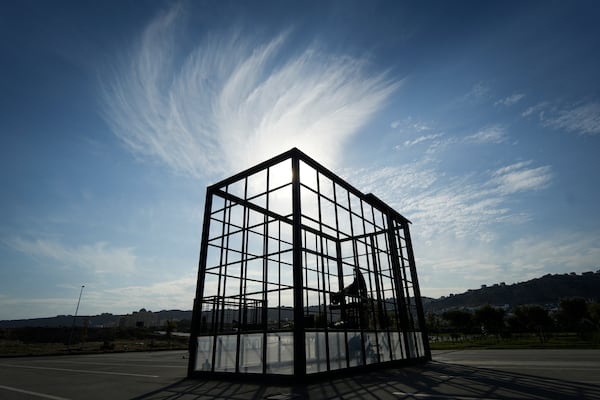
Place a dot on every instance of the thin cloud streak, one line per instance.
(40, 307)
(424, 138)
(232, 101)
(99, 257)
(165, 295)
(510, 100)
(492, 134)
(479, 91)
(410, 125)
(575, 251)
(536, 109)
(517, 178)
(583, 119)
(518, 260)
(465, 206)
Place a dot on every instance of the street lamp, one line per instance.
(74, 318)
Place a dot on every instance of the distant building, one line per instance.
(141, 319)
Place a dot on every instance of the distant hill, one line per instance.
(50, 322)
(547, 290)
(149, 318)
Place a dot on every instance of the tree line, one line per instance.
(574, 314)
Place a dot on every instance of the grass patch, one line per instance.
(16, 348)
(555, 341)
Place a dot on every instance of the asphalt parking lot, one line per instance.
(462, 375)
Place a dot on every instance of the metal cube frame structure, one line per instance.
(301, 275)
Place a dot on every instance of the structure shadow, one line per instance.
(442, 380)
(435, 380)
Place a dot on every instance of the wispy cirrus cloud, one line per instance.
(580, 118)
(460, 221)
(235, 100)
(583, 119)
(421, 139)
(468, 205)
(555, 251)
(479, 91)
(536, 109)
(409, 125)
(100, 257)
(492, 134)
(98, 298)
(15, 307)
(510, 100)
(165, 295)
(520, 259)
(520, 177)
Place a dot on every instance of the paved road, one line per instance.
(462, 375)
(100, 376)
(582, 366)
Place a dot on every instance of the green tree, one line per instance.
(432, 322)
(490, 319)
(534, 318)
(170, 327)
(459, 320)
(185, 325)
(571, 313)
(593, 311)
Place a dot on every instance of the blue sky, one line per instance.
(478, 121)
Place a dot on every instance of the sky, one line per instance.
(477, 121)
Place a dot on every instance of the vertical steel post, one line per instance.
(197, 313)
(417, 292)
(299, 334)
(398, 281)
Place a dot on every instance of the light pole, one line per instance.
(74, 318)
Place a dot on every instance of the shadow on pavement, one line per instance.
(435, 380)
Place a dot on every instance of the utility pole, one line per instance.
(74, 318)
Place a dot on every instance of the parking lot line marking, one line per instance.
(85, 371)
(439, 396)
(121, 364)
(42, 395)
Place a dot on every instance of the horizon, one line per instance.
(442, 297)
(478, 122)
